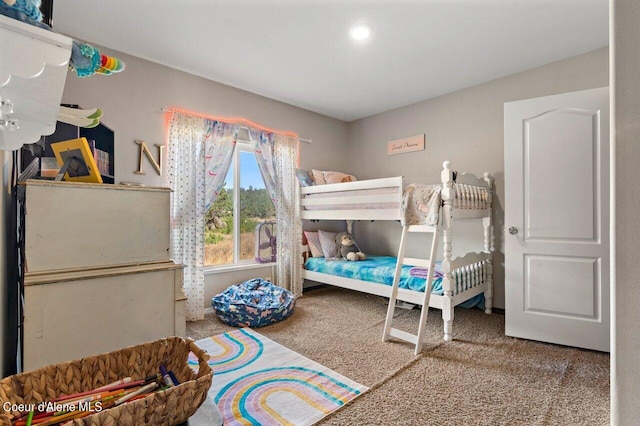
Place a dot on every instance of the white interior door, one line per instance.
(557, 219)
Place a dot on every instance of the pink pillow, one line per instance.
(321, 177)
(327, 243)
(313, 242)
(338, 177)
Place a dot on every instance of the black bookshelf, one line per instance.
(102, 135)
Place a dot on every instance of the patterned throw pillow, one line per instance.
(338, 177)
(327, 243)
(253, 303)
(318, 177)
(313, 242)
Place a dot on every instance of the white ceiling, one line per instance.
(299, 51)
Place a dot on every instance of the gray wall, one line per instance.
(466, 128)
(625, 342)
(132, 102)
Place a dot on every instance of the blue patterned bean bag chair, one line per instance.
(253, 303)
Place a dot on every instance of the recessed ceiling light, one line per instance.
(360, 31)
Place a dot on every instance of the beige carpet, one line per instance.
(481, 378)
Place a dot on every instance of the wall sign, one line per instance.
(409, 144)
(144, 150)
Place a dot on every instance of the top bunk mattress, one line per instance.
(387, 199)
(378, 198)
(366, 199)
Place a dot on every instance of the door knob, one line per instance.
(513, 230)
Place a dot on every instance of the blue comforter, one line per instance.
(377, 269)
(380, 269)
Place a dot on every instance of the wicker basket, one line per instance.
(169, 407)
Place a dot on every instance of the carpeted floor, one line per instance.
(481, 378)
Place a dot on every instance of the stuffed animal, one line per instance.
(346, 248)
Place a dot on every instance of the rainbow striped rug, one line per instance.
(256, 381)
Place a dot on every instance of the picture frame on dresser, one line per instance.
(76, 161)
(101, 139)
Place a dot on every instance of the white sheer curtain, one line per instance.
(186, 177)
(199, 155)
(277, 156)
(219, 148)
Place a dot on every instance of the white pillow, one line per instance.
(327, 243)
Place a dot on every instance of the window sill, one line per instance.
(213, 270)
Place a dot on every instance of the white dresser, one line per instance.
(97, 273)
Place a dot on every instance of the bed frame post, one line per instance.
(448, 195)
(488, 247)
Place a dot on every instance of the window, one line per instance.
(242, 204)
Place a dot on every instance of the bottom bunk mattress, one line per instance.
(380, 269)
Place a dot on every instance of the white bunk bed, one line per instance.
(462, 196)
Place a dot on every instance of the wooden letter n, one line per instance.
(144, 150)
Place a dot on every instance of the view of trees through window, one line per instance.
(255, 207)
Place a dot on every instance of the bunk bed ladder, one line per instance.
(389, 331)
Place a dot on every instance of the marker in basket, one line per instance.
(173, 378)
(99, 396)
(80, 395)
(108, 388)
(152, 378)
(148, 388)
(60, 419)
(57, 415)
(166, 376)
(116, 383)
(30, 418)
